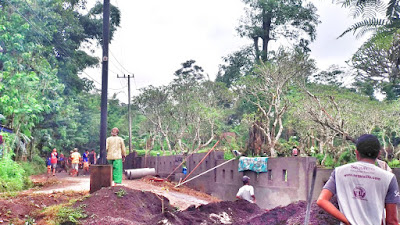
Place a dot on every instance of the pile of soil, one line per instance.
(14, 210)
(182, 189)
(121, 205)
(294, 214)
(140, 207)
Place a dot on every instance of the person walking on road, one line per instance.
(92, 157)
(246, 192)
(363, 190)
(116, 154)
(75, 159)
(53, 160)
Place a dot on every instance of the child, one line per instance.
(48, 164)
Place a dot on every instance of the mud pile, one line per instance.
(121, 205)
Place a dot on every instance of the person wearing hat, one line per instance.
(246, 192)
(363, 190)
(76, 158)
(116, 153)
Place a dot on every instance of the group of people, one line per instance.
(367, 191)
(72, 164)
(116, 154)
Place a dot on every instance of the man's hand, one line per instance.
(123, 158)
(324, 203)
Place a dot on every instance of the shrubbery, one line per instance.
(12, 176)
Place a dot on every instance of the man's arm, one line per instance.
(391, 214)
(325, 204)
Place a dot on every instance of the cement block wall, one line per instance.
(288, 178)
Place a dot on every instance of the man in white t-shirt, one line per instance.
(246, 192)
(363, 190)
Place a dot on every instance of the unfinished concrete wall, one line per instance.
(287, 180)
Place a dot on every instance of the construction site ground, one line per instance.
(142, 201)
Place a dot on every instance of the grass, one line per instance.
(120, 193)
(64, 213)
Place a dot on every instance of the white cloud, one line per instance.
(156, 36)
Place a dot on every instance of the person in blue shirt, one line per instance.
(85, 159)
(48, 164)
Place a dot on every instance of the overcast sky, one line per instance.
(156, 36)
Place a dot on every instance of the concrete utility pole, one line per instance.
(104, 83)
(129, 110)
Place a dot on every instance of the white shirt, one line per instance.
(362, 190)
(246, 192)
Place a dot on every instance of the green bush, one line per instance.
(394, 163)
(153, 153)
(36, 166)
(12, 176)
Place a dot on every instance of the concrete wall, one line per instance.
(287, 180)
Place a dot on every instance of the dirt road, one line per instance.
(180, 198)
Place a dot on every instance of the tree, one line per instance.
(268, 90)
(271, 19)
(155, 104)
(236, 65)
(370, 11)
(377, 63)
(41, 53)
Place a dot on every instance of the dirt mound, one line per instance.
(225, 212)
(242, 212)
(16, 209)
(294, 214)
(121, 205)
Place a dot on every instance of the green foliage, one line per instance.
(121, 193)
(12, 175)
(395, 163)
(228, 155)
(347, 156)
(266, 18)
(153, 152)
(70, 214)
(36, 166)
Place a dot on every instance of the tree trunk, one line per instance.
(266, 32)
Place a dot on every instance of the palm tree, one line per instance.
(370, 10)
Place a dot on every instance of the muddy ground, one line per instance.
(144, 202)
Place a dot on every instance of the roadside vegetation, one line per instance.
(262, 102)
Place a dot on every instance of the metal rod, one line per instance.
(206, 172)
(201, 161)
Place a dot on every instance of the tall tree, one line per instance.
(377, 63)
(271, 19)
(268, 92)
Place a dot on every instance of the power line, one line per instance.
(119, 63)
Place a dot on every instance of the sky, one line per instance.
(155, 37)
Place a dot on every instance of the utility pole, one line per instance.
(104, 83)
(129, 110)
